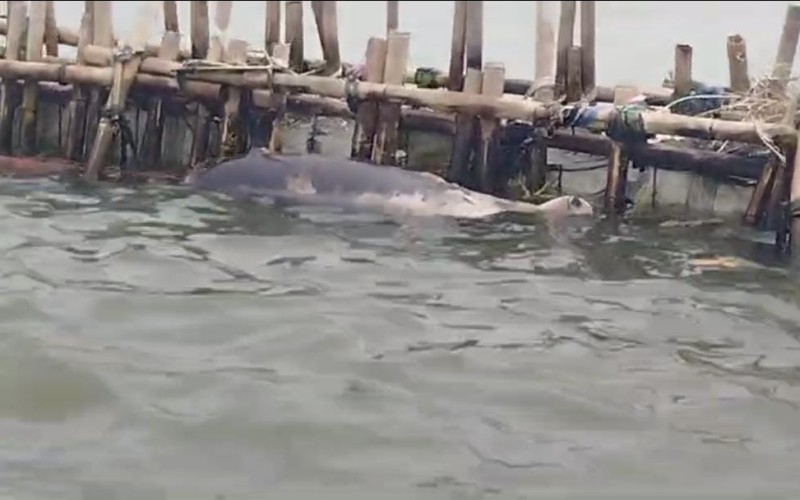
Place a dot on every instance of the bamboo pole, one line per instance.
(574, 90)
(102, 36)
(272, 28)
(587, 45)
(17, 14)
(392, 16)
(327, 28)
(566, 34)
(787, 47)
(618, 160)
(293, 34)
(474, 34)
(233, 140)
(151, 149)
(171, 16)
(103, 27)
(493, 77)
(367, 117)
(74, 146)
(460, 168)
(276, 102)
(683, 69)
(50, 30)
(199, 29)
(457, 44)
(794, 207)
(385, 146)
(33, 53)
(737, 64)
(545, 63)
(218, 39)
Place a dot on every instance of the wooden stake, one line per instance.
(199, 27)
(788, 45)
(587, 45)
(103, 27)
(33, 52)
(460, 167)
(492, 85)
(737, 64)
(458, 40)
(367, 118)
(277, 103)
(794, 206)
(103, 36)
(272, 28)
(566, 34)
(617, 176)
(293, 33)
(17, 17)
(385, 146)
(474, 34)
(392, 16)
(683, 69)
(574, 74)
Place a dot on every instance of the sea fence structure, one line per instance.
(127, 109)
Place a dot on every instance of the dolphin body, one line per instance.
(317, 180)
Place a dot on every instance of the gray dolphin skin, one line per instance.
(319, 180)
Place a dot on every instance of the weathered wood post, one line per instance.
(75, 144)
(574, 88)
(199, 37)
(787, 47)
(474, 36)
(171, 16)
(392, 16)
(328, 30)
(103, 36)
(50, 29)
(234, 139)
(460, 168)
(618, 160)
(150, 152)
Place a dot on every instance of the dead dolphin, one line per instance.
(314, 179)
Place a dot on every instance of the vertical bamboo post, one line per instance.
(233, 139)
(293, 34)
(574, 88)
(367, 118)
(102, 35)
(587, 45)
(787, 46)
(545, 63)
(780, 182)
(457, 44)
(566, 35)
(151, 149)
(199, 29)
(218, 39)
(272, 29)
(77, 105)
(328, 30)
(171, 16)
(385, 147)
(392, 16)
(459, 170)
(617, 174)
(200, 46)
(683, 69)
(30, 96)
(277, 102)
(50, 30)
(474, 36)
(126, 66)
(17, 20)
(737, 64)
(493, 81)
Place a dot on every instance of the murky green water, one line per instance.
(161, 344)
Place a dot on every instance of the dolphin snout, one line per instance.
(579, 206)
